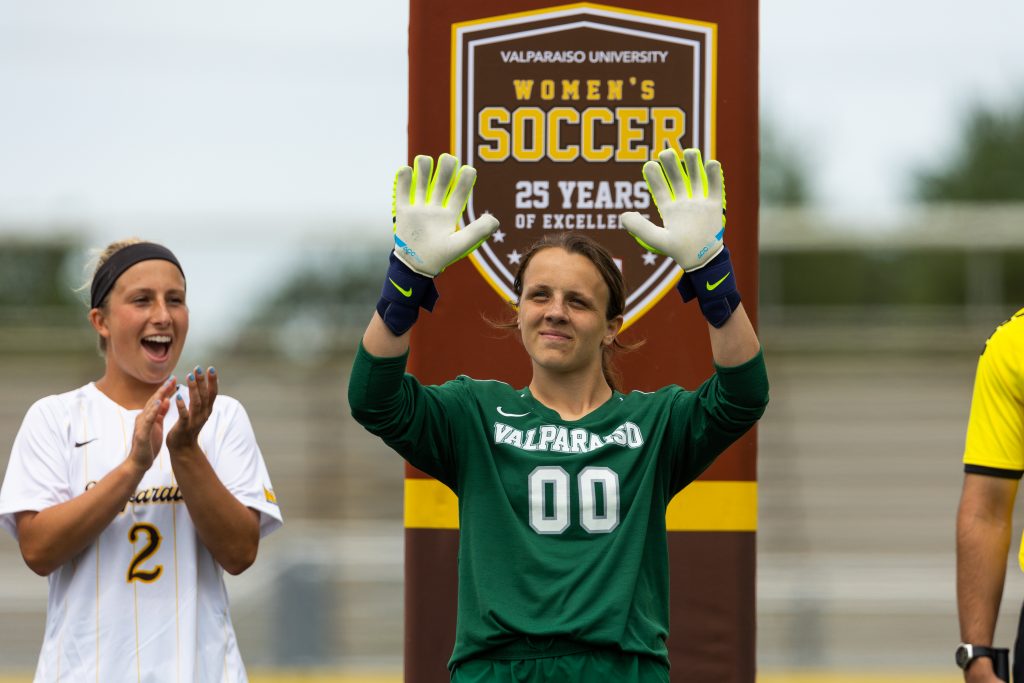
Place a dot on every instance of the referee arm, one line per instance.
(983, 527)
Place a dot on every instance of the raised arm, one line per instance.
(690, 197)
(427, 204)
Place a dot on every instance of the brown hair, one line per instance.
(576, 243)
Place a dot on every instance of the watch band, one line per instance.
(967, 653)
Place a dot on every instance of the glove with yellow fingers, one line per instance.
(426, 207)
(690, 197)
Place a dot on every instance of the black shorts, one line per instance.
(1018, 649)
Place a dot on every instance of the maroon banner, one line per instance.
(558, 107)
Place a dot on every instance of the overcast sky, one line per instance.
(878, 88)
(300, 106)
(217, 122)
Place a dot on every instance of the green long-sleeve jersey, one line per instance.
(562, 541)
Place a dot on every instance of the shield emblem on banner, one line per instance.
(558, 109)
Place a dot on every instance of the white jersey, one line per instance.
(145, 601)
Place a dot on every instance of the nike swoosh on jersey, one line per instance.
(502, 412)
(79, 445)
(713, 286)
(404, 292)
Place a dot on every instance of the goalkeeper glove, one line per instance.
(690, 197)
(426, 206)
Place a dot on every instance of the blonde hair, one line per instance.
(99, 257)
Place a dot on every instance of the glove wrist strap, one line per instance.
(714, 287)
(403, 294)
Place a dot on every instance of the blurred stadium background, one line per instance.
(872, 320)
(859, 457)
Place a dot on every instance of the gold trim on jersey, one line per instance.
(701, 506)
(126, 442)
(177, 597)
(97, 546)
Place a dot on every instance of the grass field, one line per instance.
(258, 676)
(776, 677)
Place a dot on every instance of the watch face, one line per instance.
(963, 655)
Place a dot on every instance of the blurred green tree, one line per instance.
(987, 163)
(40, 312)
(784, 167)
(320, 309)
(34, 275)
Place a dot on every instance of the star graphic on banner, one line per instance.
(499, 236)
(650, 258)
(514, 257)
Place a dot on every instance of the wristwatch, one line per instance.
(967, 653)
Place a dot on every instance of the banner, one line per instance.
(558, 107)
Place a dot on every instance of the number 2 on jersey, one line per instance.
(135, 570)
(598, 489)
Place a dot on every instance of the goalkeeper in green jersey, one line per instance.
(562, 484)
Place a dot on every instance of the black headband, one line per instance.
(123, 259)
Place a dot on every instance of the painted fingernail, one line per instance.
(213, 370)
(180, 398)
(199, 371)
(191, 377)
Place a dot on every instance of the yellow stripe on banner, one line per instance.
(714, 506)
(865, 677)
(701, 506)
(429, 504)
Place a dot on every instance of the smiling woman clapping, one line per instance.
(133, 494)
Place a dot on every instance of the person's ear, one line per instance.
(99, 322)
(614, 326)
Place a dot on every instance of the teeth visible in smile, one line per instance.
(157, 339)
